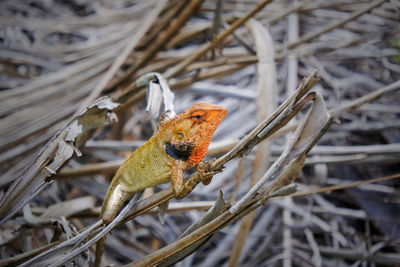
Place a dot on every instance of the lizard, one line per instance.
(179, 144)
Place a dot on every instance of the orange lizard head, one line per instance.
(189, 134)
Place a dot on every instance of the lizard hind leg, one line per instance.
(113, 202)
(115, 199)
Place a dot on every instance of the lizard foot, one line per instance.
(204, 173)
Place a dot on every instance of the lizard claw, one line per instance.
(203, 170)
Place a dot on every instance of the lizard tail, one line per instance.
(99, 251)
(107, 214)
(113, 201)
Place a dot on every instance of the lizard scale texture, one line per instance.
(179, 144)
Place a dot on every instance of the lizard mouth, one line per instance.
(216, 117)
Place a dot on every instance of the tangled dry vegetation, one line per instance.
(73, 107)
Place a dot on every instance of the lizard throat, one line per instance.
(179, 151)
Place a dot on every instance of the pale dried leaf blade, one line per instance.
(267, 85)
(98, 114)
(168, 96)
(6, 235)
(69, 207)
(309, 131)
(29, 217)
(158, 93)
(162, 210)
(266, 70)
(307, 134)
(217, 209)
(289, 173)
(104, 103)
(154, 99)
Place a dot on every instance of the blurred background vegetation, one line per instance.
(59, 56)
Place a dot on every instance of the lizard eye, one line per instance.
(179, 136)
(198, 115)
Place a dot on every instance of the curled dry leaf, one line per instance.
(56, 152)
(158, 93)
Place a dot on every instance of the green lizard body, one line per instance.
(179, 144)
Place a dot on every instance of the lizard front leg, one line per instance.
(182, 189)
(204, 173)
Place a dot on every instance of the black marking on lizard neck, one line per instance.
(180, 151)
